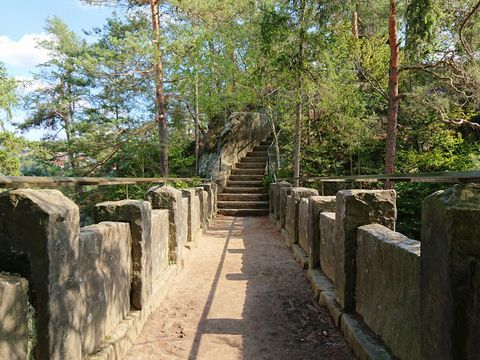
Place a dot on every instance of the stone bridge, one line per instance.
(86, 293)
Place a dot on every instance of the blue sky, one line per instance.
(21, 22)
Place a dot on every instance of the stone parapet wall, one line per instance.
(375, 283)
(91, 288)
(388, 288)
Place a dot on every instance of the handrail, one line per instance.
(45, 181)
(433, 177)
(270, 168)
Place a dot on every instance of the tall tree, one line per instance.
(58, 103)
(393, 99)
(160, 98)
(298, 106)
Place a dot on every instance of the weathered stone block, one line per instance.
(292, 222)
(14, 336)
(276, 200)
(317, 205)
(303, 222)
(169, 198)
(355, 208)
(193, 224)
(39, 229)
(388, 288)
(203, 197)
(327, 244)
(450, 257)
(215, 199)
(210, 199)
(184, 209)
(138, 214)
(160, 237)
(284, 193)
(104, 275)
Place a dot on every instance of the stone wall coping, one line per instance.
(394, 238)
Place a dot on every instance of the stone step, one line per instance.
(245, 190)
(243, 212)
(251, 165)
(261, 148)
(246, 177)
(248, 171)
(260, 160)
(244, 184)
(242, 197)
(242, 204)
(257, 154)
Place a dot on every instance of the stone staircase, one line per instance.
(245, 194)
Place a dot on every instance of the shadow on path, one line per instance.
(241, 296)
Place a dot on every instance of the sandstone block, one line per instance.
(449, 264)
(169, 198)
(138, 214)
(210, 199)
(104, 275)
(160, 237)
(292, 219)
(284, 193)
(39, 229)
(355, 208)
(203, 196)
(316, 205)
(327, 244)
(193, 222)
(14, 335)
(388, 288)
(276, 199)
(303, 222)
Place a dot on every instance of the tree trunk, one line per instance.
(393, 99)
(298, 107)
(160, 99)
(298, 136)
(355, 24)
(197, 141)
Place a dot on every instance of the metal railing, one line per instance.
(60, 181)
(272, 170)
(446, 177)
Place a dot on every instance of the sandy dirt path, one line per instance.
(240, 296)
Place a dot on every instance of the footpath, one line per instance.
(241, 295)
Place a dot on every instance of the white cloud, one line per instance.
(24, 52)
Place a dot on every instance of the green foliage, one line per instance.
(445, 150)
(8, 94)
(11, 148)
(409, 206)
(98, 90)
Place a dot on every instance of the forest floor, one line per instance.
(241, 295)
